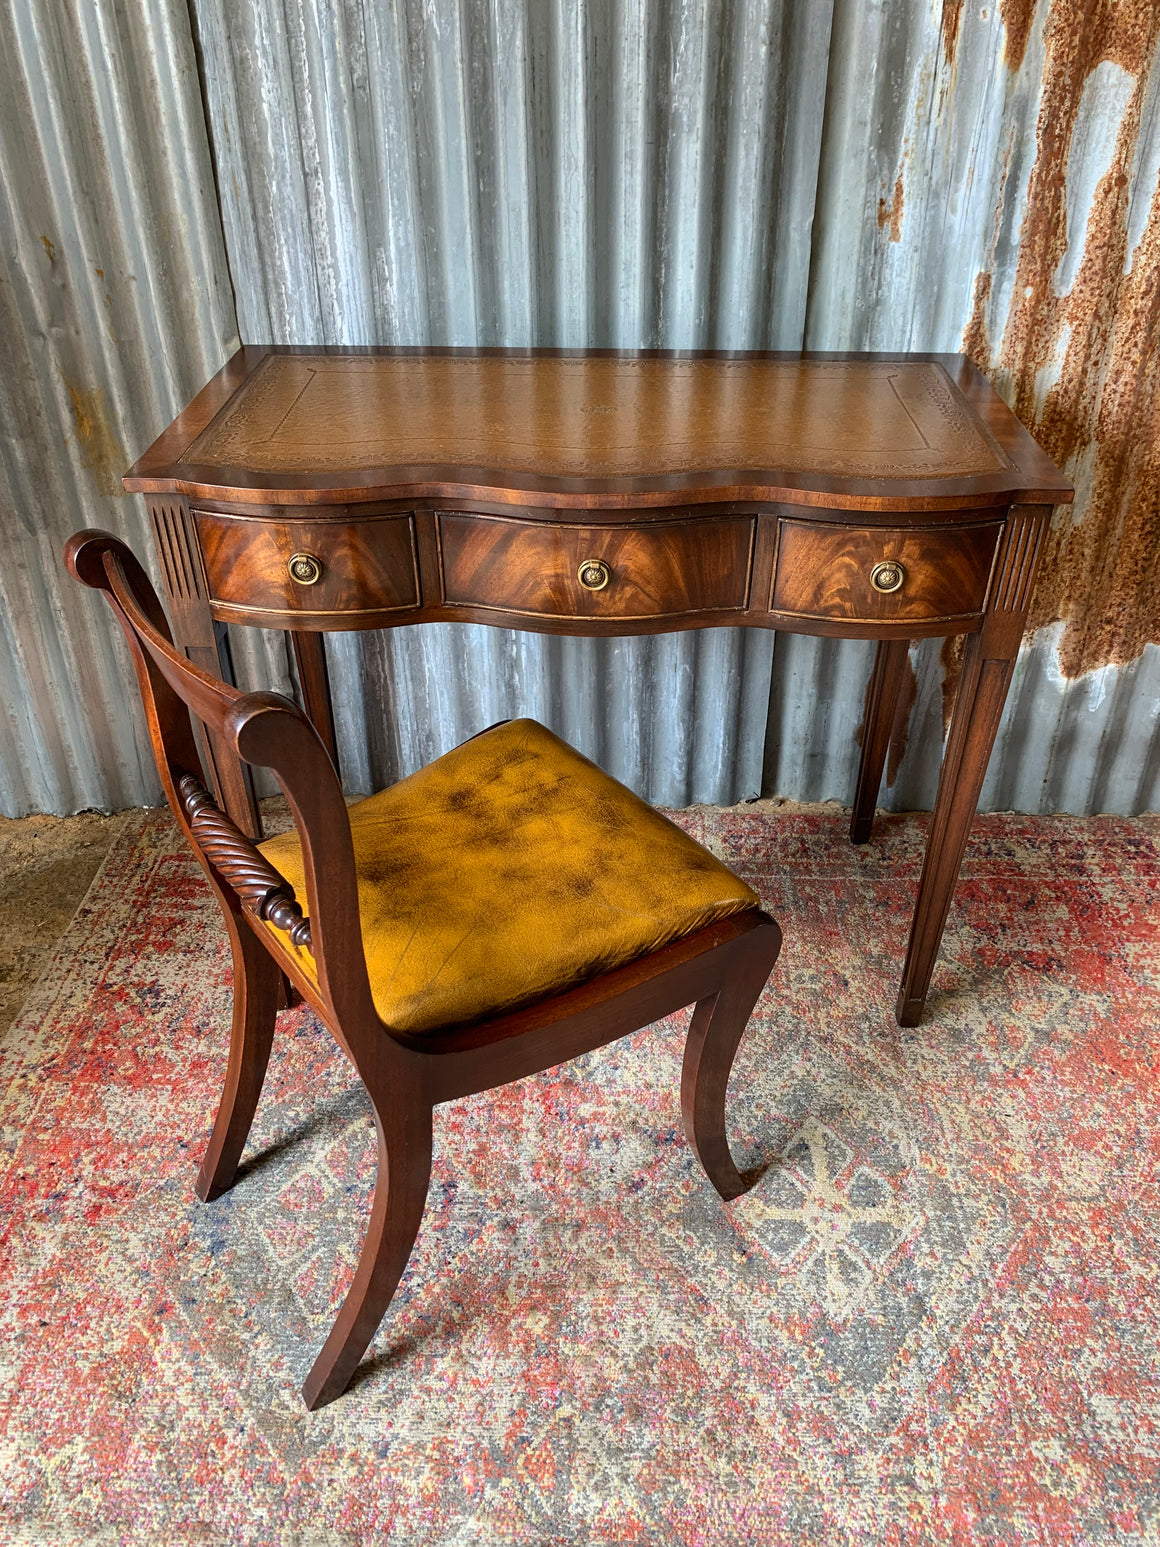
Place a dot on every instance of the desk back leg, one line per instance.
(314, 680)
(882, 692)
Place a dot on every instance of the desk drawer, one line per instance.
(883, 574)
(657, 569)
(308, 567)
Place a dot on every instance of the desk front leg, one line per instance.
(206, 644)
(988, 663)
(978, 707)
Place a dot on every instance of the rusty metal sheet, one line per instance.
(992, 183)
(694, 173)
(1074, 339)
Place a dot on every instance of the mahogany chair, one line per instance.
(505, 909)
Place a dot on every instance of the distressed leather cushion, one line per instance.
(508, 870)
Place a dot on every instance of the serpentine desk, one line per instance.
(870, 496)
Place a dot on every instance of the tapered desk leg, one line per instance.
(877, 723)
(988, 663)
(978, 707)
(314, 680)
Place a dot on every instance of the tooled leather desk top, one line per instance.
(322, 425)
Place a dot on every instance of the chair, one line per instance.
(505, 909)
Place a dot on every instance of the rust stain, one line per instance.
(101, 447)
(952, 15)
(891, 214)
(975, 333)
(1100, 572)
(1018, 15)
(50, 249)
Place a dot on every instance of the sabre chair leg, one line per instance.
(715, 1031)
(257, 998)
(400, 1197)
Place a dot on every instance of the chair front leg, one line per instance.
(404, 1172)
(257, 999)
(715, 1031)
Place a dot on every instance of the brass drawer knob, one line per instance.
(887, 576)
(304, 568)
(594, 574)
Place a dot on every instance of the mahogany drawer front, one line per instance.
(655, 569)
(825, 571)
(359, 566)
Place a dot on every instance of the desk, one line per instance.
(873, 496)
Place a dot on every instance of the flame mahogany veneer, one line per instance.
(879, 496)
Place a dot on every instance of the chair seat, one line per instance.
(509, 870)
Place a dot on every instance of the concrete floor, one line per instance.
(46, 866)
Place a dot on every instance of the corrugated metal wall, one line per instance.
(989, 182)
(681, 173)
(500, 173)
(115, 305)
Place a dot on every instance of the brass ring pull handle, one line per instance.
(887, 576)
(304, 568)
(594, 574)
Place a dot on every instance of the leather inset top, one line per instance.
(599, 417)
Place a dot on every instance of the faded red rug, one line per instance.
(934, 1319)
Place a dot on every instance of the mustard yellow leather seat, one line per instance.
(510, 869)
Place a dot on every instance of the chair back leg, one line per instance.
(258, 994)
(403, 1122)
(714, 1034)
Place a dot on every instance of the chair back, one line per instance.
(261, 729)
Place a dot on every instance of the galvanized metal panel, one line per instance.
(647, 174)
(498, 173)
(115, 306)
(653, 172)
(599, 694)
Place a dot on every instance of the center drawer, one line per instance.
(654, 569)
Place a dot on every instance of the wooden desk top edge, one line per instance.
(1033, 478)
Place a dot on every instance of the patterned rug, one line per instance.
(934, 1318)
